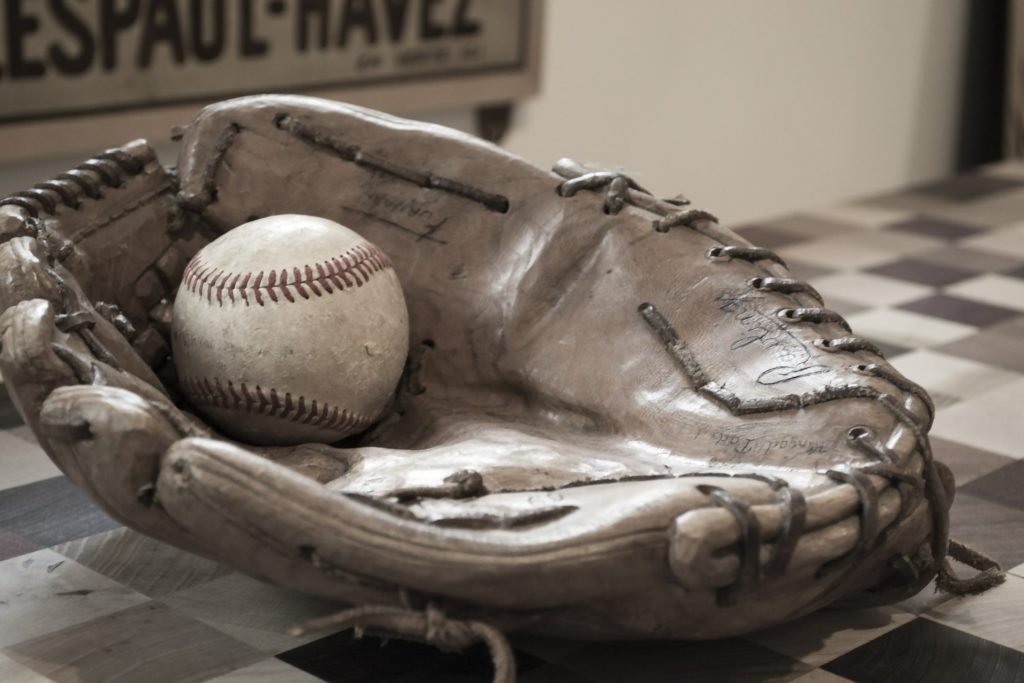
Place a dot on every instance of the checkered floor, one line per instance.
(934, 275)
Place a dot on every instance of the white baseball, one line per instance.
(290, 329)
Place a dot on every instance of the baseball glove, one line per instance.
(618, 418)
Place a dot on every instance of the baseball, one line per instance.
(290, 329)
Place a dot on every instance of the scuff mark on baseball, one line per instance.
(273, 326)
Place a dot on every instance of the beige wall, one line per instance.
(751, 107)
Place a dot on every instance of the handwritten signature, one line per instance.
(793, 356)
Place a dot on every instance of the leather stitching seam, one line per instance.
(269, 402)
(351, 269)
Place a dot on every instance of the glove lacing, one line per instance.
(619, 190)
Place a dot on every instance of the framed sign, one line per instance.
(80, 74)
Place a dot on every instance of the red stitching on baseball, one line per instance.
(319, 415)
(351, 269)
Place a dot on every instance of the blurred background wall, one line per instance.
(753, 108)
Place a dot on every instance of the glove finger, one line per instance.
(786, 538)
(31, 272)
(248, 503)
(699, 539)
(38, 358)
(113, 440)
(30, 367)
(44, 306)
(252, 502)
(26, 273)
(248, 506)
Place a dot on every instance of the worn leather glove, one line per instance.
(618, 418)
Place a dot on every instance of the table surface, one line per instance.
(933, 274)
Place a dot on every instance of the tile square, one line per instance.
(927, 598)
(267, 671)
(999, 345)
(341, 658)
(907, 329)
(142, 563)
(991, 420)
(23, 432)
(1007, 241)
(868, 289)
(922, 272)
(251, 611)
(9, 416)
(22, 462)
(12, 672)
(988, 527)
(732, 660)
(552, 673)
(935, 227)
(145, 642)
(806, 271)
(1004, 486)
(820, 676)
(942, 400)
(1008, 168)
(835, 253)
(967, 187)
(822, 636)
(844, 307)
(960, 310)
(863, 216)
(813, 225)
(900, 244)
(890, 351)
(12, 545)
(44, 592)
(965, 258)
(996, 211)
(859, 249)
(925, 651)
(767, 236)
(966, 462)
(51, 511)
(546, 648)
(996, 615)
(910, 202)
(941, 373)
(992, 288)
(992, 213)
